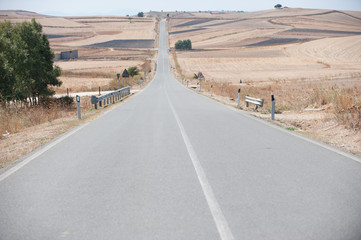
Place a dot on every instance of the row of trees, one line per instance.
(26, 63)
(183, 44)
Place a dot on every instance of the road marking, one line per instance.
(218, 217)
(38, 153)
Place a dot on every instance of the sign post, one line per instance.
(125, 74)
(118, 76)
(78, 106)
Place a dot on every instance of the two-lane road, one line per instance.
(171, 164)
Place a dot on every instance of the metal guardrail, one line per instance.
(109, 97)
(257, 102)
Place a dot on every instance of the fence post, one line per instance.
(273, 107)
(239, 96)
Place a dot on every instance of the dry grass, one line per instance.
(347, 110)
(15, 118)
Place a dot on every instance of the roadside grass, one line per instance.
(16, 118)
(291, 128)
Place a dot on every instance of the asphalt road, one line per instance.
(171, 164)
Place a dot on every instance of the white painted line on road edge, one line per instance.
(218, 217)
(304, 138)
(38, 153)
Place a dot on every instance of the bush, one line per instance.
(133, 71)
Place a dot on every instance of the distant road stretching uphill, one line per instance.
(171, 164)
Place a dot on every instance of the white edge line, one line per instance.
(320, 144)
(249, 115)
(218, 217)
(21, 164)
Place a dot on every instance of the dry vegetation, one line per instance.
(309, 59)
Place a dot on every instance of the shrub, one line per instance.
(133, 71)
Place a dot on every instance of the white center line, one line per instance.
(218, 217)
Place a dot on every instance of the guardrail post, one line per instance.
(239, 96)
(273, 107)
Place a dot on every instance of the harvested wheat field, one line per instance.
(309, 59)
(106, 46)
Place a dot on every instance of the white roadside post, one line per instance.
(273, 107)
(200, 78)
(239, 96)
(78, 106)
(211, 90)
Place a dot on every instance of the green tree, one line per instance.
(278, 6)
(40, 70)
(140, 14)
(183, 44)
(12, 61)
(133, 71)
(26, 62)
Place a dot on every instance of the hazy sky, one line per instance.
(122, 7)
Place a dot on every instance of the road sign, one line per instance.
(125, 73)
(200, 76)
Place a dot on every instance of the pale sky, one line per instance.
(131, 7)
